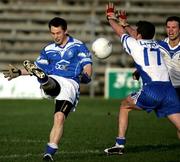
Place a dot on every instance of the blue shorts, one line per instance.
(158, 96)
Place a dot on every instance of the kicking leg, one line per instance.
(49, 85)
(34, 70)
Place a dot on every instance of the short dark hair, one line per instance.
(146, 29)
(173, 18)
(57, 21)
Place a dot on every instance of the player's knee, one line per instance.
(59, 117)
(127, 103)
(124, 103)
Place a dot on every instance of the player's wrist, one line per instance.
(111, 17)
(85, 78)
(125, 25)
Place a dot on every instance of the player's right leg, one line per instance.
(34, 70)
(50, 86)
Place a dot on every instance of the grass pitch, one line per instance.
(25, 126)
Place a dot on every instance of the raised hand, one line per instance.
(122, 18)
(110, 12)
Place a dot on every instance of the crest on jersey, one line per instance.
(70, 54)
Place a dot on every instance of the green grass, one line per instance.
(25, 126)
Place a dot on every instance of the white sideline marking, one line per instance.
(36, 155)
(16, 156)
(20, 140)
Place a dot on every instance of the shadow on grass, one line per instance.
(99, 155)
(158, 147)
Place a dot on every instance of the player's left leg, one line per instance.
(175, 119)
(126, 106)
(55, 136)
(62, 109)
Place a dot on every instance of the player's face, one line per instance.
(173, 30)
(58, 34)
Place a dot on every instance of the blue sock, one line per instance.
(51, 148)
(120, 140)
(43, 80)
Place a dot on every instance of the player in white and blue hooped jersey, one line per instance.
(147, 57)
(170, 49)
(157, 93)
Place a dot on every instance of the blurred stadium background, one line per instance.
(24, 30)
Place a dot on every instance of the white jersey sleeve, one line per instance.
(171, 56)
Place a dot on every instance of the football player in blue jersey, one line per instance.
(61, 66)
(153, 71)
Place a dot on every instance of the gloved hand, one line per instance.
(11, 72)
(110, 12)
(122, 18)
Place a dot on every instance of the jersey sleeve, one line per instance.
(129, 44)
(84, 55)
(42, 62)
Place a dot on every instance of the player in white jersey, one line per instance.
(60, 68)
(170, 48)
(153, 71)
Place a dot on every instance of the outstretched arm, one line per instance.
(13, 72)
(110, 14)
(122, 18)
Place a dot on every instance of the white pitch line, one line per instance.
(20, 141)
(36, 155)
(17, 156)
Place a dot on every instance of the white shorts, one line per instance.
(69, 89)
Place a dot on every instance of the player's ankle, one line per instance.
(120, 141)
(51, 148)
